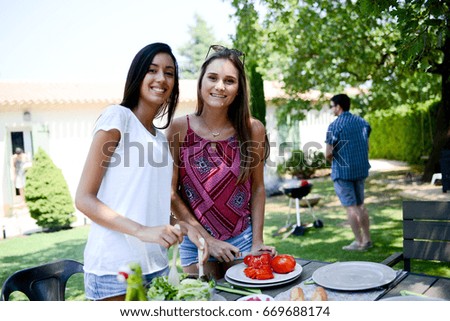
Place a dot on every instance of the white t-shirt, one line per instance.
(137, 185)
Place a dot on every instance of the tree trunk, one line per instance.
(442, 135)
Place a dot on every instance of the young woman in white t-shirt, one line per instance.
(126, 181)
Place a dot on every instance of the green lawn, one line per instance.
(318, 244)
(26, 251)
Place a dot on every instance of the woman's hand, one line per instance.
(164, 235)
(195, 236)
(222, 251)
(258, 249)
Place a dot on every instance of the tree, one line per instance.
(423, 46)
(47, 194)
(332, 45)
(247, 40)
(195, 50)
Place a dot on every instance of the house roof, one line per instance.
(36, 93)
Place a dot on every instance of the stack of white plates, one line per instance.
(235, 275)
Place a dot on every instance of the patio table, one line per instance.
(421, 284)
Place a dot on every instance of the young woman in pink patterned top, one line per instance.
(218, 181)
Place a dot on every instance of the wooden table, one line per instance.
(431, 286)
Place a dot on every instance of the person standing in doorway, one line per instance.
(347, 147)
(20, 164)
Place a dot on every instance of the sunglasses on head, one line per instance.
(218, 48)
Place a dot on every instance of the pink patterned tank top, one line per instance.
(208, 176)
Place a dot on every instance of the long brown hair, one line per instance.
(239, 111)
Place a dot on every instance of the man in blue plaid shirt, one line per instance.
(348, 150)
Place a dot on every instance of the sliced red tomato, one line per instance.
(283, 263)
(248, 259)
(258, 260)
(263, 273)
(265, 258)
(250, 272)
(258, 267)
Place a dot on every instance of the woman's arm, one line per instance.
(99, 155)
(258, 199)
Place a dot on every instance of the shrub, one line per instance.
(47, 194)
(403, 133)
(299, 166)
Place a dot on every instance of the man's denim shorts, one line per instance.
(189, 252)
(105, 286)
(350, 193)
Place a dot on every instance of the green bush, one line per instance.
(299, 166)
(403, 133)
(47, 194)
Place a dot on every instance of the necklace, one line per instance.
(213, 133)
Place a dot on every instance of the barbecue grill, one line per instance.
(296, 191)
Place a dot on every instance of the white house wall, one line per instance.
(311, 133)
(314, 127)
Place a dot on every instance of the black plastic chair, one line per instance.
(45, 282)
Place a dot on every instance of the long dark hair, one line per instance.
(238, 112)
(136, 73)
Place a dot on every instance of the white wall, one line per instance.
(69, 136)
(314, 127)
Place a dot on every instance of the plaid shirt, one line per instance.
(349, 136)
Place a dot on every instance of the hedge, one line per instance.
(403, 133)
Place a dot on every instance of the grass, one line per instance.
(35, 249)
(323, 244)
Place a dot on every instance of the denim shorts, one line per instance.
(350, 193)
(189, 252)
(99, 287)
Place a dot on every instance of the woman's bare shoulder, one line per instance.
(257, 128)
(177, 126)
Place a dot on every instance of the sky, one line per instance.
(95, 40)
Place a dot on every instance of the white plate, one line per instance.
(411, 298)
(256, 297)
(353, 276)
(236, 273)
(258, 286)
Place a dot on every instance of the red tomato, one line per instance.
(258, 260)
(248, 259)
(262, 273)
(258, 267)
(265, 259)
(283, 263)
